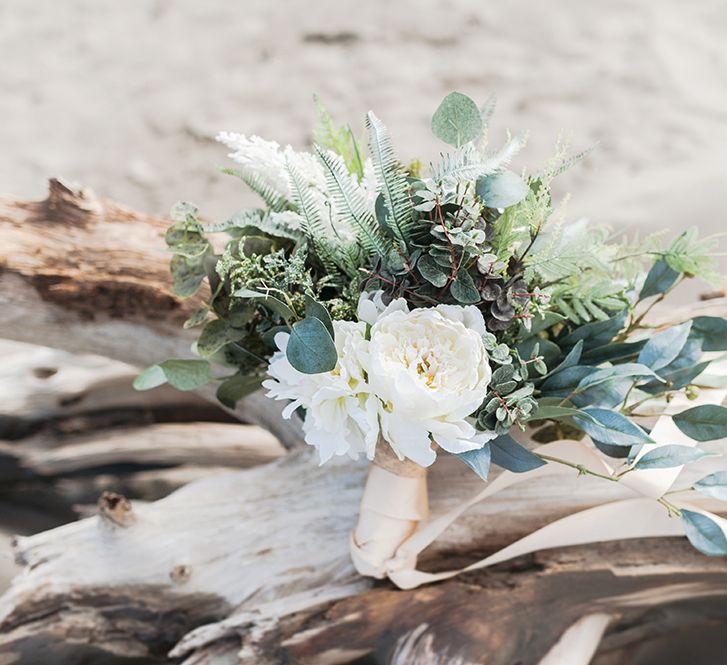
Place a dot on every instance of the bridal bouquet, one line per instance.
(405, 312)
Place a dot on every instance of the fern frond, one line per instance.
(339, 139)
(312, 223)
(278, 224)
(568, 162)
(351, 203)
(276, 201)
(465, 163)
(488, 108)
(391, 180)
(504, 155)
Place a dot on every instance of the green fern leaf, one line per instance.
(276, 201)
(391, 180)
(351, 203)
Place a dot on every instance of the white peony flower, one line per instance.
(430, 369)
(341, 413)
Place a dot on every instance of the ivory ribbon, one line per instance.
(389, 537)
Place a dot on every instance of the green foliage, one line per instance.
(511, 456)
(704, 533)
(457, 120)
(310, 348)
(392, 182)
(667, 457)
(352, 204)
(477, 460)
(713, 485)
(273, 199)
(338, 139)
(703, 423)
(181, 374)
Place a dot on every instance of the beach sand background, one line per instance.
(126, 97)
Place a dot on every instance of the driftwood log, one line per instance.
(251, 566)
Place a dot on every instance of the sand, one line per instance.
(126, 96)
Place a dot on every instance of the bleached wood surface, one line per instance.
(252, 566)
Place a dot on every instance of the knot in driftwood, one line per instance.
(115, 508)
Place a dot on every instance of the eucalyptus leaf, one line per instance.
(271, 302)
(659, 278)
(182, 374)
(712, 330)
(610, 427)
(565, 381)
(704, 533)
(571, 359)
(432, 272)
(669, 456)
(215, 335)
(231, 390)
(457, 120)
(463, 289)
(151, 377)
(714, 485)
(664, 347)
(311, 349)
(703, 423)
(509, 454)
(541, 321)
(501, 190)
(478, 460)
(317, 310)
(188, 275)
(595, 334)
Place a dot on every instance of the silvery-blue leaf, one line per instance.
(714, 485)
(704, 533)
(664, 347)
(595, 334)
(310, 348)
(707, 422)
(501, 190)
(477, 460)
(610, 427)
(712, 330)
(667, 457)
(509, 454)
(659, 279)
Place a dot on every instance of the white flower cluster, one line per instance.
(413, 381)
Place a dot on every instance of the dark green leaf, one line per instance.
(271, 302)
(310, 348)
(478, 460)
(667, 457)
(565, 381)
(541, 322)
(431, 271)
(714, 485)
(318, 311)
(198, 317)
(509, 454)
(501, 190)
(664, 347)
(595, 334)
(457, 120)
(614, 352)
(547, 349)
(610, 427)
(704, 533)
(231, 390)
(659, 279)
(703, 423)
(215, 335)
(188, 275)
(463, 289)
(572, 358)
(712, 330)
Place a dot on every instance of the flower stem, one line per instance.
(582, 470)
